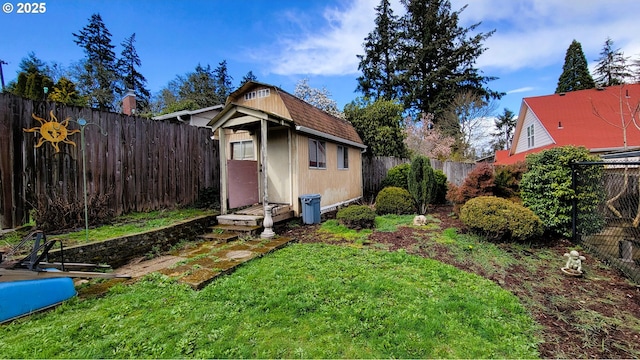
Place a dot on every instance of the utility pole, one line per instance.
(2, 62)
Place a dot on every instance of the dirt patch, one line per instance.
(594, 316)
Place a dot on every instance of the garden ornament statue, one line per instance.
(574, 263)
(420, 220)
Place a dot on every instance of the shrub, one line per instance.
(479, 182)
(441, 187)
(357, 217)
(500, 219)
(394, 200)
(397, 176)
(507, 180)
(546, 189)
(58, 210)
(422, 182)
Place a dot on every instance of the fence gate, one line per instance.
(613, 231)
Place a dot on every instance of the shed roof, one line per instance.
(306, 115)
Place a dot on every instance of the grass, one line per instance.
(306, 300)
(130, 224)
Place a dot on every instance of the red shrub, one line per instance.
(479, 182)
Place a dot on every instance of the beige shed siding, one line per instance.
(334, 185)
(278, 161)
(272, 103)
(232, 136)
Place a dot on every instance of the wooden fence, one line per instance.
(374, 170)
(141, 164)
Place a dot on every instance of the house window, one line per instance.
(257, 94)
(317, 154)
(343, 157)
(530, 137)
(242, 150)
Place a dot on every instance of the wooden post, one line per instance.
(268, 221)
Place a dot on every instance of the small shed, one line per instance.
(275, 148)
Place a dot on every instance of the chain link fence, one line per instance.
(616, 238)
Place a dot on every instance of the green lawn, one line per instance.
(306, 300)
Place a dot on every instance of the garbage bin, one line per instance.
(310, 208)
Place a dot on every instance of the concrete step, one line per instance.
(240, 220)
(241, 230)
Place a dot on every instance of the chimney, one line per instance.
(129, 103)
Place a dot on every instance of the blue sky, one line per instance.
(283, 41)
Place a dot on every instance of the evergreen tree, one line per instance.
(611, 68)
(198, 87)
(31, 64)
(379, 124)
(223, 82)
(422, 183)
(437, 56)
(98, 79)
(65, 92)
(32, 81)
(378, 64)
(248, 77)
(575, 71)
(131, 78)
(505, 124)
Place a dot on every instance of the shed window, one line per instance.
(530, 137)
(317, 154)
(242, 150)
(343, 157)
(257, 94)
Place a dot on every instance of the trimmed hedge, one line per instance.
(357, 217)
(394, 200)
(500, 219)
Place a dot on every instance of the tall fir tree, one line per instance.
(32, 81)
(575, 71)
(127, 65)
(612, 68)
(378, 79)
(437, 57)
(99, 77)
(223, 82)
(248, 77)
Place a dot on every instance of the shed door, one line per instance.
(242, 183)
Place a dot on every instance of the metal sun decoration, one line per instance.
(52, 131)
(55, 132)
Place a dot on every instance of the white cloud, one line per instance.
(537, 33)
(529, 34)
(520, 90)
(330, 49)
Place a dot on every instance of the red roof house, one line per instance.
(603, 120)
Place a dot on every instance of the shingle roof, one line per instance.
(591, 118)
(307, 115)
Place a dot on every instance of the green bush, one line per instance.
(357, 217)
(397, 176)
(441, 187)
(546, 189)
(422, 182)
(394, 200)
(507, 180)
(500, 219)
